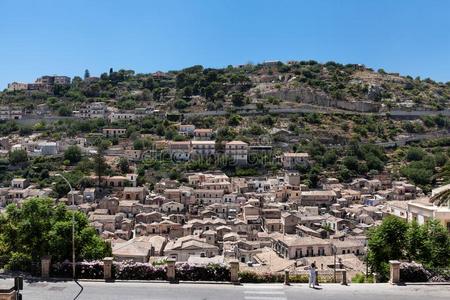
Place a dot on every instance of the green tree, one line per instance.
(344, 174)
(123, 165)
(351, 162)
(16, 157)
(395, 239)
(238, 99)
(181, 104)
(100, 165)
(415, 154)
(329, 158)
(437, 245)
(73, 154)
(418, 173)
(374, 162)
(234, 120)
(86, 74)
(415, 237)
(386, 242)
(64, 111)
(39, 228)
(138, 144)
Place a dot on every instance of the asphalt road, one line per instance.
(184, 291)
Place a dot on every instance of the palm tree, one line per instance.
(441, 198)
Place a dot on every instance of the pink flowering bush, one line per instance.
(83, 270)
(211, 272)
(128, 270)
(415, 272)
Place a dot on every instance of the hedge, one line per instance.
(211, 272)
(252, 277)
(138, 271)
(84, 269)
(128, 270)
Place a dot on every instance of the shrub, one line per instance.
(138, 271)
(413, 272)
(252, 277)
(17, 156)
(212, 272)
(83, 270)
(415, 154)
(300, 278)
(73, 154)
(19, 262)
(361, 278)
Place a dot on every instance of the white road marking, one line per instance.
(267, 287)
(264, 298)
(264, 292)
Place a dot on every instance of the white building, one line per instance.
(180, 150)
(422, 210)
(291, 160)
(182, 248)
(204, 196)
(186, 129)
(121, 116)
(114, 132)
(47, 148)
(238, 151)
(203, 148)
(93, 111)
(9, 113)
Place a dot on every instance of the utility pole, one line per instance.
(334, 270)
(367, 265)
(73, 224)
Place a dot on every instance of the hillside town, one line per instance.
(216, 150)
(268, 222)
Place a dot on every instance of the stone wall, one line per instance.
(304, 95)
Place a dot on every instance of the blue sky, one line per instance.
(66, 37)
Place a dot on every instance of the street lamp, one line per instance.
(73, 223)
(334, 248)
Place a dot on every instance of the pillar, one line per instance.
(107, 268)
(45, 266)
(341, 265)
(171, 270)
(375, 277)
(394, 277)
(8, 294)
(286, 277)
(234, 271)
(343, 276)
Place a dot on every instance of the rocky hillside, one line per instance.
(350, 87)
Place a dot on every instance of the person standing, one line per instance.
(312, 275)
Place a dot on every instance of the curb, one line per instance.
(59, 279)
(156, 281)
(32, 279)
